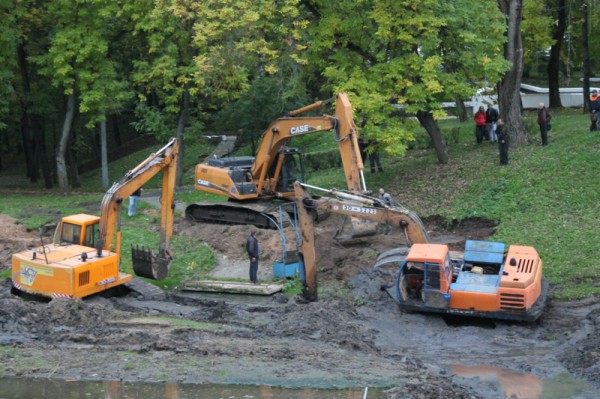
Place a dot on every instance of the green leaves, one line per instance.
(412, 53)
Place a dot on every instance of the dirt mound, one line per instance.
(338, 261)
(14, 238)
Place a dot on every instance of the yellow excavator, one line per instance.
(82, 259)
(253, 185)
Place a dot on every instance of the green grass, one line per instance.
(548, 198)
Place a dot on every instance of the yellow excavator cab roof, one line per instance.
(81, 219)
(434, 253)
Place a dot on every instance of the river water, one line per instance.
(41, 388)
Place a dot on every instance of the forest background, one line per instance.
(78, 78)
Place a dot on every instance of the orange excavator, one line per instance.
(482, 281)
(82, 260)
(255, 186)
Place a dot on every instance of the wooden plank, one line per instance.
(232, 287)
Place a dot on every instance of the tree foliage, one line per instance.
(406, 54)
(180, 65)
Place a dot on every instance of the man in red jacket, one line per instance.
(480, 128)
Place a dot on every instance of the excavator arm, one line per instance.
(145, 262)
(354, 205)
(283, 129)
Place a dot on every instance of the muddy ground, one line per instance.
(353, 336)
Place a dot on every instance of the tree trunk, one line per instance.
(461, 110)
(61, 164)
(42, 154)
(116, 131)
(180, 130)
(104, 153)
(73, 167)
(585, 50)
(26, 132)
(439, 144)
(509, 98)
(28, 145)
(554, 61)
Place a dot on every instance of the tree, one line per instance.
(77, 61)
(587, 71)
(202, 55)
(558, 34)
(404, 58)
(509, 98)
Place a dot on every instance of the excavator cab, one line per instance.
(292, 169)
(78, 229)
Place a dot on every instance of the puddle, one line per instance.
(525, 386)
(38, 388)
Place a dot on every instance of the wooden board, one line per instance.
(232, 287)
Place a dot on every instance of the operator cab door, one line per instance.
(433, 295)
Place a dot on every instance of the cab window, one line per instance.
(70, 233)
(91, 235)
(432, 276)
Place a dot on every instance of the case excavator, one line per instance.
(82, 260)
(484, 280)
(256, 186)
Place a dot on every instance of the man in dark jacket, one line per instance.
(253, 250)
(544, 122)
(491, 116)
(594, 111)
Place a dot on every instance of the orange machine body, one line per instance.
(70, 266)
(481, 281)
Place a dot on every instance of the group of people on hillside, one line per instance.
(486, 122)
(490, 126)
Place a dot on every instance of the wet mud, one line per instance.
(353, 336)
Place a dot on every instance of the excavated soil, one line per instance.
(353, 336)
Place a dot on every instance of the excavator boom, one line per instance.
(353, 205)
(145, 262)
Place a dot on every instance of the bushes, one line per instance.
(323, 160)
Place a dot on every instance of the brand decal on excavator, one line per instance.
(28, 275)
(106, 281)
(299, 129)
(203, 182)
(359, 209)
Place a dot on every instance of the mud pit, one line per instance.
(353, 336)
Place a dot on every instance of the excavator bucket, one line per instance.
(150, 265)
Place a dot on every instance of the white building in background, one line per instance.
(532, 96)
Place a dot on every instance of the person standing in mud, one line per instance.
(253, 250)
